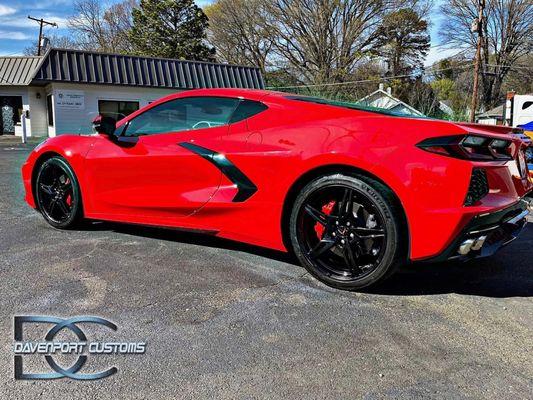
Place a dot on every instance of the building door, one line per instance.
(10, 114)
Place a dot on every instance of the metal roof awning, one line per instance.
(17, 70)
(76, 66)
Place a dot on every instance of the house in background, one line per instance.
(491, 117)
(384, 99)
(64, 90)
(445, 108)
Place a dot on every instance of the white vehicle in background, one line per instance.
(519, 112)
(521, 109)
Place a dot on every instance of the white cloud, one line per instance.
(24, 22)
(14, 35)
(6, 10)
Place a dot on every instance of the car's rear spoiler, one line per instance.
(494, 128)
(505, 130)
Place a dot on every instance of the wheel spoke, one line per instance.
(346, 204)
(53, 204)
(318, 216)
(322, 246)
(349, 257)
(47, 189)
(361, 231)
(379, 235)
(362, 249)
(63, 207)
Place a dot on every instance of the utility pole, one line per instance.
(477, 26)
(41, 22)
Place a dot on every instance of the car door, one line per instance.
(154, 176)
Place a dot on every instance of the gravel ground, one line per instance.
(224, 320)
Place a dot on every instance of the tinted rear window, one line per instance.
(352, 106)
(247, 109)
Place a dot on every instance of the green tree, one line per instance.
(443, 88)
(170, 29)
(402, 39)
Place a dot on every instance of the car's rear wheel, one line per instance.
(57, 193)
(345, 230)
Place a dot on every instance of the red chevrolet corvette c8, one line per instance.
(354, 192)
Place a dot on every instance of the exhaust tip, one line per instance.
(469, 245)
(478, 244)
(465, 247)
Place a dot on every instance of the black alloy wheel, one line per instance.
(345, 231)
(57, 193)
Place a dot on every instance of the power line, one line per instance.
(368, 80)
(510, 66)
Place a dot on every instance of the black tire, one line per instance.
(362, 239)
(57, 193)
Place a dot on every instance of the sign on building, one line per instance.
(73, 99)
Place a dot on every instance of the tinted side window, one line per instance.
(246, 109)
(183, 115)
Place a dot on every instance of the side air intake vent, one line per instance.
(479, 187)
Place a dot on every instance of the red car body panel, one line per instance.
(159, 182)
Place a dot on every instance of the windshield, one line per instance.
(353, 106)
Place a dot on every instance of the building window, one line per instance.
(117, 109)
(50, 110)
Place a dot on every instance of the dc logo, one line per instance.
(49, 347)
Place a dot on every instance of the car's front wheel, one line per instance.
(57, 193)
(346, 230)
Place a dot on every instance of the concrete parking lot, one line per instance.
(224, 320)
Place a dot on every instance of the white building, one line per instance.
(493, 116)
(62, 91)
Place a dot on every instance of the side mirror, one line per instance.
(104, 125)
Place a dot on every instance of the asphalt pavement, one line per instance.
(226, 320)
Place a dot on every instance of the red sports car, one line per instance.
(353, 192)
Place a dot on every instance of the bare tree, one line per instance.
(239, 31)
(118, 19)
(97, 28)
(507, 36)
(520, 77)
(322, 40)
(57, 41)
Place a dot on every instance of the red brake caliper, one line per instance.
(68, 200)
(326, 209)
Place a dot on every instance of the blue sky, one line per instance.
(18, 32)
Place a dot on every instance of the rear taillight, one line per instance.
(478, 188)
(469, 147)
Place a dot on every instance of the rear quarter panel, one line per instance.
(288, 143)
